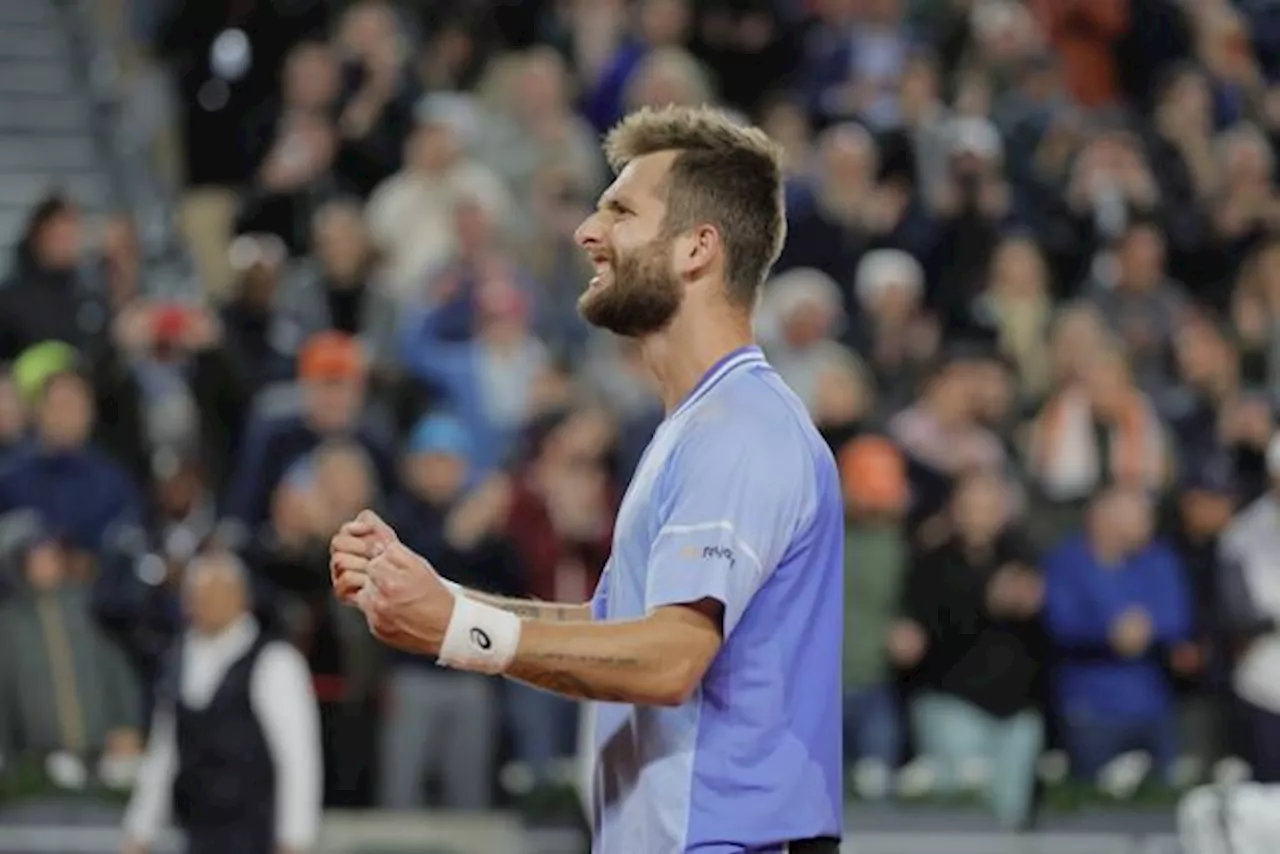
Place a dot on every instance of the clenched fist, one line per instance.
(351, 549)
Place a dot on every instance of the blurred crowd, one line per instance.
(1030, 294)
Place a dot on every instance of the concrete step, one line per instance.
(56, 154)
(33, 41)
(52, 116)
(23, 76)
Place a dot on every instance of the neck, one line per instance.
(682, 353)
(1107, 551)
(1222, 386)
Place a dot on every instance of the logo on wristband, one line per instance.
(481, 639)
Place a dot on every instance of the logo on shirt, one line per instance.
(481, 639)
(709, 553)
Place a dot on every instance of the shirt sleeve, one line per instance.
(285, 704)
(730, 501)
(151, 801)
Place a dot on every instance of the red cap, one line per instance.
(170, 323)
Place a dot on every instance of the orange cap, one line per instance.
(331, 355)
(873, 473)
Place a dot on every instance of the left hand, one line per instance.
(405, 602)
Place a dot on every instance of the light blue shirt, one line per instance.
(736, 499)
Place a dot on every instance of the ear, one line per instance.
(698, 251)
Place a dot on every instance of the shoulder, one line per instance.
(113, 470)
(1067, 551)
(1162, 552)
(750, 436)
(752, 418)
(279, 659)
(1259, 518)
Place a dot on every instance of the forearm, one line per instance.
(532, 609)
(620, 662)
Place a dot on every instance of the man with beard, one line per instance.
(712, 644)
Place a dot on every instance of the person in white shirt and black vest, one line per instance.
(234, 755)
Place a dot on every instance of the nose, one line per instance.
(589, 233)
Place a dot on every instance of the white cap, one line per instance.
(972, 135)
(881, 269)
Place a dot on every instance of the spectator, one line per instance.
(943, 438)
(168, 380)
(84, 498)
(410, 213)
(292, 147)
(533, 127)
(321, 489)
(1115, 601)
(262, 337)
(1017, 302)
(974, 600)
(1093, 433)
(488, 373)
(874, 478)
(443, 724)
(561, 524)
(1247, 586)
(340, 288)
(800, 314)
(46, 297)
(379, 93)
(66, 686)
(1085, 36)
(332, 375)
(233, 754)
(854, 62)
(659, 24)
(1143, 305)
(898, 335)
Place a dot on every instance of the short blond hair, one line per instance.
(725, 174)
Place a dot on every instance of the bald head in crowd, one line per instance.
(215, 592)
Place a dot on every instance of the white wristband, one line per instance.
(452, 586)
(480, 637)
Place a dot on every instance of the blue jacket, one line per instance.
(430, 351)
(81, 496)
(1083, 600)
(88, 501)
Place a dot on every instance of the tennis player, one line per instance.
(712, 645)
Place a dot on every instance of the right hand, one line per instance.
(351, 549)
(1131, 633)
(907, 643)
(131, 846)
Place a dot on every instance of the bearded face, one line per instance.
(634, 293)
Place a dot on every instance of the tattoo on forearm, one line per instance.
(560, 659)
(530, 611)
